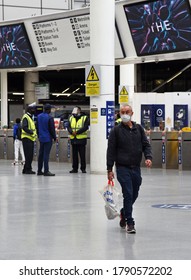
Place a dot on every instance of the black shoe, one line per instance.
(49, 174)
(83, 171)
(23, 171)
(130, 229)
(29, 172)
(122, 222)
(40, 173)
(73, 171)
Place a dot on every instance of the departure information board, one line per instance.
(66, 40)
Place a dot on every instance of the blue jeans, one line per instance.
(130, 180)
(43, 157)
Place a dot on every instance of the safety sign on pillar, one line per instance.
(123, 95)
(92, 80)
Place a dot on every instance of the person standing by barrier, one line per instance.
(18, 145)
(77, 128)
(28, 136)
(126, 144)
(46, 134)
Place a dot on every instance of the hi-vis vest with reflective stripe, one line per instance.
(78, 125)
(31, 126)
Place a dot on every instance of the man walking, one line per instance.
(46, 134)
(127, 141)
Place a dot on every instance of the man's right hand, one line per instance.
(110, 175)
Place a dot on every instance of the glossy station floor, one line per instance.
(63, 218)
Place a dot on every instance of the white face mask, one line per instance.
(125, 118)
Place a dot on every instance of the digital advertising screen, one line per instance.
(161, 26)
(16, 51)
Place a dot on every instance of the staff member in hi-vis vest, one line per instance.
(77, 128)
(28, 136)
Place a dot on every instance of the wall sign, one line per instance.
(110, 116)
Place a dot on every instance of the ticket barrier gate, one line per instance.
(170, 150)
(166, 149)
(185, 151)
(9, 144)
(156, 144)
(3, 144)
(62, 150)
(64, 147)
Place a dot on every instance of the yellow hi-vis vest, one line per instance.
(31, 126)
(118, 121)
(76, 125)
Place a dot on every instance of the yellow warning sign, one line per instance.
(92, 82)
(94, 115)
(92, 76)
(123, 95)
(123, 91)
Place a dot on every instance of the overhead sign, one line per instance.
(123, 94)
(65, 40)
(42, 91)
(92, 80)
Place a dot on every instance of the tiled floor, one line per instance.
(63, 218)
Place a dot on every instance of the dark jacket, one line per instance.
(126, 145)
(45, 128)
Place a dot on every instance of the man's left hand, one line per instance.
(148, 163)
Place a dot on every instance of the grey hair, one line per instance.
(125, 105)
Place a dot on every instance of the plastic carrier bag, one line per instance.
(111, 196)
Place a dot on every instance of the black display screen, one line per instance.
(161, 26)
(16, 51)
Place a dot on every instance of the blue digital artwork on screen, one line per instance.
(16, 51)
(160, 26)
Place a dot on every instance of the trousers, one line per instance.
(130, 180)
(43, 156)
(78, 150)
(28, 147)
(18, 148)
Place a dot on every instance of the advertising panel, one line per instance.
(180, 116)
(152, 115)
(16, 51)
(159, 114)
(147, 117)
(161, 26)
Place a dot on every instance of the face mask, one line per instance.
(125, 118)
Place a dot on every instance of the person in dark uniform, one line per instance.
(77, 128)
(28, 136)
(46, 134)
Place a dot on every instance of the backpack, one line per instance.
(19, 131)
